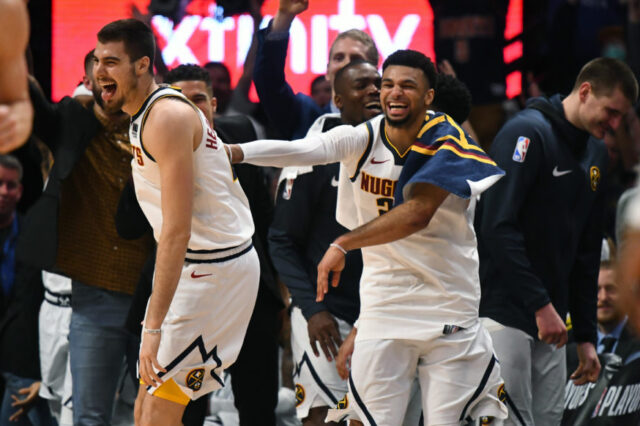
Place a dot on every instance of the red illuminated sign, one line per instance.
(200, 38)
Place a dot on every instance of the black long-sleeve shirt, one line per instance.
(304, 225)
(540, 227)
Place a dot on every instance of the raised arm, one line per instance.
(170, 132)
(16, 114)
(290, 114)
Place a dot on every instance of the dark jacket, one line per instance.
(539, 228)
(19, 350)
(291, 114)
(67, 128)
(304, 225)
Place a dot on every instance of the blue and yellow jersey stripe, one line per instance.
(443, 155)
(441, 132)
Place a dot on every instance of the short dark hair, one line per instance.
(371, 52)
(186, 72)
(337, 79)
(137, 37)
(413, 59)
(317, 80)
(219, 65)
(452, 97)
(607, 74)
(88, 62)
(11, 162)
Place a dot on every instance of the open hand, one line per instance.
(25, 403)
(332, 261)
(323, 330)
(149, 359)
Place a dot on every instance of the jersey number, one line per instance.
(384, 204)
(137, 152)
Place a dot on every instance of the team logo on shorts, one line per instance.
(594, 174)
(299, 394)
(522, 146)
(502, 394)
(343, 404)
(194, 379)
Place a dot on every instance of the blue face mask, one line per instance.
(615, 51)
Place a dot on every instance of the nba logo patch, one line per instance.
(288, 188)
(520, 152)
(134, 129)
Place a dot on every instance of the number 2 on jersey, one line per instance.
(384, 204)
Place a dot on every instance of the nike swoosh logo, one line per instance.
(558, 173)
(194, 275)
(373, 161)
(334, 181)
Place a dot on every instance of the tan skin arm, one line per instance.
(628, 274)
(171, 133)
(411, 216)
(16, 113)
(287, 11)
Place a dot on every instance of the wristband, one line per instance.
(339, 247)
(151, 330)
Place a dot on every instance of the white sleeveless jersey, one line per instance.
(414, 288)
(417, 286)
(221, 218)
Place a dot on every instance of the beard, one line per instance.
(397, 123)
(405, 121)
(115, 105)
(112, 107)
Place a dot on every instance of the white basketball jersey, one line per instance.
(417, 287)
(221, 218)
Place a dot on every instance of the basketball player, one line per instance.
(16, 113)
(304, 224)
(419, 290)
(206, 276)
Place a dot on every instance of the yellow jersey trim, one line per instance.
(454, 150)
(393, 146)
(430, 123)
(170, 391)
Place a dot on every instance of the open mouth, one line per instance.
(374, 107)
(395, 108)
(108, 90)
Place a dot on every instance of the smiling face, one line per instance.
(358, 93)
(599, 113)
(115, 75)
(609, 312)
(405, 95)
